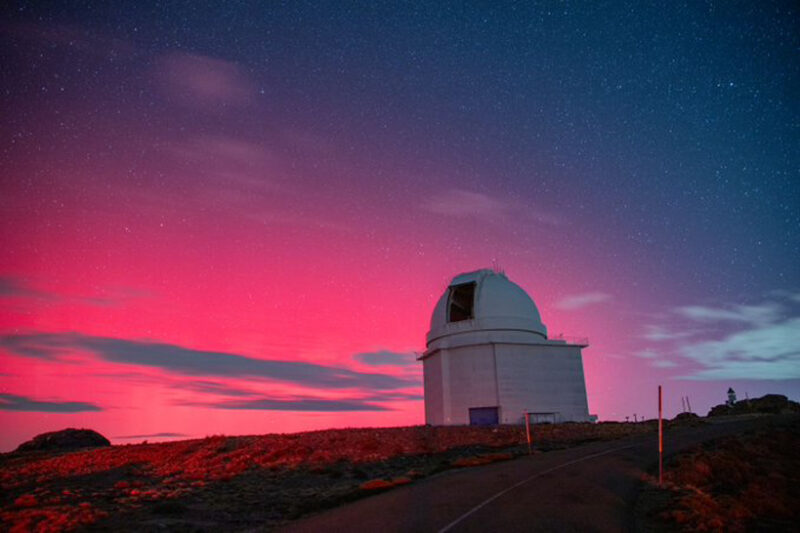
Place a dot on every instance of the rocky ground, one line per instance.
(750, 482)
(240, 483)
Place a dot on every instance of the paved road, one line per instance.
(586, 488)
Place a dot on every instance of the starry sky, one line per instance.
(235, 218)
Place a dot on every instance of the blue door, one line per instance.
(483, 416)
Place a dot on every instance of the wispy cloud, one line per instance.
(663, 363)
(202, 82)
(647, 354)
(754, 341)
(386, 358)
(13, 402)
(749, 314)
(238, 168)
(252, 397)
(658, 333)
(152, 436)
(460, 203)
(13, 287)
(212, 387)
(294, 404)
(579, 301)
(394, 397)
(770, 351)
(188, 361)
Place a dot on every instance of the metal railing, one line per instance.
(578, 341)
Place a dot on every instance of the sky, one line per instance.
(236, 218)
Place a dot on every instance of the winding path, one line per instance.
(587, 488)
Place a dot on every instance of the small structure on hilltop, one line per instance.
(731, 397)
(489, 359)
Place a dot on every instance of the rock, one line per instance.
(66, 439)
(770, 403)
(720, 410)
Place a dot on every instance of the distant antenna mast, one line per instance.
(496, 266)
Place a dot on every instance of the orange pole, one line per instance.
(660, 438)
(528, 431)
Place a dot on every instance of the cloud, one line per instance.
(211, 387)
(460, 203)
(386, 358)
(191, 362)
(764, 351)
(256, 398)
(756, 341)
(152, 436)
(295, 404)
(655, 359)
(663, 363)
(657, 333)
(203, 82)
(40, 346)
(791, 295)
(394, 397)
(749, 314)
(578, 301)
(12, 402)
(12, 287)
(243, 167)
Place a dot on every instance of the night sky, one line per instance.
(236, 218)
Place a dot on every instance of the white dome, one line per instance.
(484, 300)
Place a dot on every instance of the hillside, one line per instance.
(235, 483)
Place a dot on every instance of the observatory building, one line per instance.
(489, 361)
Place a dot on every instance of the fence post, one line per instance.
(528, 431)
(660, 439)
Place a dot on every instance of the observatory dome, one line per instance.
(484, 300)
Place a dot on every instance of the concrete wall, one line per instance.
(456, 380)
(434, 383)
(514, 377)
(472, 382)
(541, 378)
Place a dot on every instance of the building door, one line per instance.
(483, 416)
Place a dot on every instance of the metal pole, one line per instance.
(689, 404)
(528, 431)
(660, 439)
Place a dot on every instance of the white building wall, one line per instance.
(471, 381)
(434, 395)
(541, 378)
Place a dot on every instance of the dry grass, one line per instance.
(219, 477)
(744, 483)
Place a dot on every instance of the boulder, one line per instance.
(66, 439)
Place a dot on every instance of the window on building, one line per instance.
(462, 301)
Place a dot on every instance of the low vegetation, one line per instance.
(235, 483)
(749, 482)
